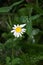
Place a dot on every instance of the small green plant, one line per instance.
(25, 45)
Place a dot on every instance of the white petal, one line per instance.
(23, 30)
(14, 25)
(20, 35)
(18, 25)
(17, 34)
(12, 31)
(22, 25)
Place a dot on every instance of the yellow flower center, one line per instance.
(18, 29)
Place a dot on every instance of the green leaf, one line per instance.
(4, 9)
(24, 19)
(1, 46)
(35, 59)
(29, 27)
(8, 61)
(25, 11)
(38, 9)
(34, 17)
(35, 32)
(16, 61)
(22, 12)
(7, 9)
(29, 9)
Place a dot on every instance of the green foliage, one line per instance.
(13, 62)
(7, 9)
(28, 49)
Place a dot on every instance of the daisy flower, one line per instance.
(18, 30)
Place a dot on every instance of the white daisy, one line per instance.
(18, 30)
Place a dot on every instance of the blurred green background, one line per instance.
(27, 50)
